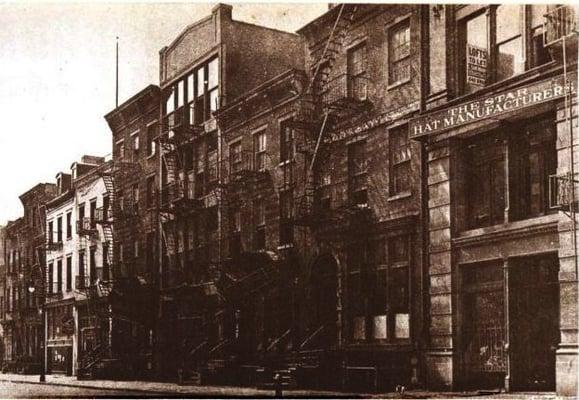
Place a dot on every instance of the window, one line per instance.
(59, 276)
(286, 234)
(170, 101)
(535, 159)
(136, 196)
(106, 261)
(135, 138)
(203, 91)
(399, 160)
(92, 213)
(356, 261)
(509, 50)
(475, 58)
(69, 225)
(80, 212)
(211, 222)
(235, 157)
(92, 264)
(107, 212)
(151, 133)
(150, 191)
(50, 278)
(212, 84)
(492, 46)
(485, 179)
(59, 229)
(399, 53)
(286, 147)
(50, 233)
(540, 55)
(399, 303)
(259, 147)
(81, 269)
(357, 173)
(259, 220)
(378, 287)
(235, 232)
(357, 60)
(120, 147)
(68, 273)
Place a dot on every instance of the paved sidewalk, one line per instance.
(168, 389)
(165, 389)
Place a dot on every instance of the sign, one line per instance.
(491, 106)
(372, 123)
(476, 65)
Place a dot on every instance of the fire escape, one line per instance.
(336, 98)
(560, 38)
(117, 218)
(177, 197)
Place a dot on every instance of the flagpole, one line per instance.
(117, 76)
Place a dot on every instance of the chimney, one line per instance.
(92, 160)
(224, 11)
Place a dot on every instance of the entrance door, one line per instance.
(534, 322)
(483, 334)
(324, 315)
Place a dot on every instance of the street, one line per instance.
(35, 390)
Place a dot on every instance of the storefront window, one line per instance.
(378, 287)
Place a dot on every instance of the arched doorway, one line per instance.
(323, 303)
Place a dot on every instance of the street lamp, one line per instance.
(31, 290)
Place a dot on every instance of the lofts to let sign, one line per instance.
(495, 106)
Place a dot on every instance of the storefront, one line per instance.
(60, 358)
(501, 262)
(60, 338)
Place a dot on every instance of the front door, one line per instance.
(534, 319)
(483, 334)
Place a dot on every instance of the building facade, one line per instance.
(499, 126)
(133, 188)
(197, 78)
(24, 275)
(361, 202)
(386, 198)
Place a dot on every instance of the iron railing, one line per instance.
(343, 88)
(86, 226)
(559, 23)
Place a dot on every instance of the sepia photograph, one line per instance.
(302, 200)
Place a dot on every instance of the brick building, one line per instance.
(502, 268)
(361, 202)
(132, 222)
(208, 66)
(24, 250)
(386, 198)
